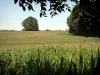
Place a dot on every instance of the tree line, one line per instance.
(85, 21)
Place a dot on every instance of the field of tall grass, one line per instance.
(48, 53)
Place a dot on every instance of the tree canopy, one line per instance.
(78, 22)
(85, 21)
(56, 6)
(30, 24)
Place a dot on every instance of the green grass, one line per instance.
(42, 37)
(48, 53)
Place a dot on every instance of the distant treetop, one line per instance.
(30, 24)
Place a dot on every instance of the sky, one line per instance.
(11, 17)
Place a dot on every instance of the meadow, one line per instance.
(48, 53)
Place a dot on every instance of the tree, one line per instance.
(77, 22)
(90, 7)
(30, 24)
(73, 19)
(56, 6)
(92, 10)
(80, 22)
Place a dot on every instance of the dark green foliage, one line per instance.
(76, 21)
(92, 9)
(30, 24)
(83, 22)
(73, 19)
(56, 6)
(15, 1)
